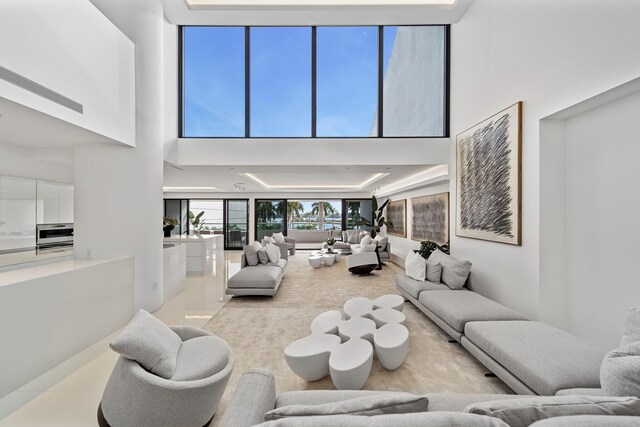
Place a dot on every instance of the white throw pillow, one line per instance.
(352, 236)
(268, 239)
(368, 248)
(415, 266)
(278, 237)
(273, 252)
(366, 240)
(257, 245)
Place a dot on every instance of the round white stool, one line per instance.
(315, 261)
(395, 302)
(357, 327)
(392, 345)
(308, 357)
(328, 259)
(338, 254)
(350, 364)
(383, 316)
(326, 323)
(358, 306)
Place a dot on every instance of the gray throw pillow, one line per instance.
(352, 236)
(392, 403)
(251, 253)
(631, 330)
(262, 256)
(620, 371)
(454, 271)
(382, 241)
(149, 342)
(434, 271)
(525, 411)
(419, 419)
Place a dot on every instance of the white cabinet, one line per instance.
(55, 203)
(17, 213)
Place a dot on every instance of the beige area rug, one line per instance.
(258, 329)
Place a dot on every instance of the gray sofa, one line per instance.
(384, 251)
(530, 357)
(262, 279)
(255, 395)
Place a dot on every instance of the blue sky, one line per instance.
(280, 58)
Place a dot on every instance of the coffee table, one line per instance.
(367, 328)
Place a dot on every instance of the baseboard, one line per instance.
(399, 261)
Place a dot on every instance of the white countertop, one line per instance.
(22, 257)
(186, 238)
(38, 271)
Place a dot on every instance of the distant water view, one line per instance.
(307, 225)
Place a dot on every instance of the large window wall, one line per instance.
(219, 216)
(314, 82)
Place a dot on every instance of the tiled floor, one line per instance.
(73, 401)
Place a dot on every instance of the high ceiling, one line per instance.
(274, 178)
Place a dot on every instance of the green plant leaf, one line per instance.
(374, 203)
(384, 205)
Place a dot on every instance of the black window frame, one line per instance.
(247, 83)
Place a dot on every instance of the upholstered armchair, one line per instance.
(289, 244)
(350, 237)
(135, 397)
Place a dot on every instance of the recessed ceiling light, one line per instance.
(347, 167)
(231, 168)
(388, 167)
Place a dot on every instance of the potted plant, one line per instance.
(428, 247)
(330, 240)
(168, 224)
(378, 219)
(197, 222)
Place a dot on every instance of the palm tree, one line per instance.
(265, 212)
(294, 209)
(354, 213)
(322, 209)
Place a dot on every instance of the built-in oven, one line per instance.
(54, 235)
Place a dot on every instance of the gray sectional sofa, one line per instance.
(255, 400)
(530, 357)
(261, 279)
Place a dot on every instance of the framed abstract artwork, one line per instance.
(430, 218)
(488, 178)
(397, 217)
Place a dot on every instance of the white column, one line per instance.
(118, 194)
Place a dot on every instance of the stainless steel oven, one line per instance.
(54, 235)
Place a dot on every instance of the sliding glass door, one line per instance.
(354, 210)
(236, 223)
(271, 217)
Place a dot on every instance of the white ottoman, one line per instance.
(328, 259)
(357, 327)
(338, 254)
(326, 323)
(358, 306)
(392, 345)
(308, 357)
(383, 316)
(315, 260)
(350, 364)
(395, 302)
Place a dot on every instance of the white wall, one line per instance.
(119, 189)
(401, 246)
(600, 238)
(550, 55)
(70, 47)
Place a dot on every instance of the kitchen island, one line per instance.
(202, 251)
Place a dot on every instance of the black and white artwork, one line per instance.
(397, 217)
(430, 218)
(488, 160)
